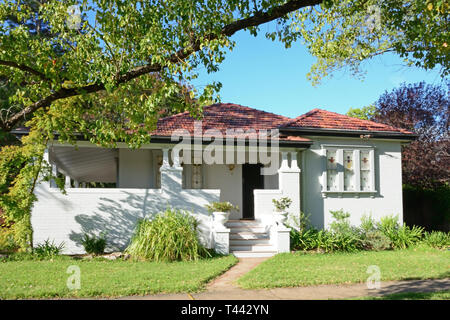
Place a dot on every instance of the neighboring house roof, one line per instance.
(322, 119)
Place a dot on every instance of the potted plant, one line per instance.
(280, 212)
(221, 211)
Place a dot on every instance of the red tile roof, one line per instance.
(225, 116)
(322, 119)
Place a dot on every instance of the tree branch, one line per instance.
(228, 30)
(24, 68)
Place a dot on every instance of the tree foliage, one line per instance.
(67, 50)
(20, 166)
(127, 46)
(364, 113)
(350, 32)
(425, 110)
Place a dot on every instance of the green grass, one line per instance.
(305, 269)
(47, 279)
(438, 295)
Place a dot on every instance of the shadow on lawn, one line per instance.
(417, 286)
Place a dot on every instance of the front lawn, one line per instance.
(46, 279)
(306, 269)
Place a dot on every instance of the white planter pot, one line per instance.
(280, 217)
(220, 218)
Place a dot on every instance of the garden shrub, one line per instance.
(386, 234)
(304, 239)
(21, 168)
(94, 245)
(437, 239)
(48, 250)
(345, 237)
(170, 236)
(401, 236)
(375, 240)
(221, 207)
(367, 223)
(372, 238)
(427, 207)
(341, 236)
(7, 243)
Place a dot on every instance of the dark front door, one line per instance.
(251, 180)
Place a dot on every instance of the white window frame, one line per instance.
(356, 167)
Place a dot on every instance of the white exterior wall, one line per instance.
(287, 185)
(219, 176)
(65, 218)
(135, 169)
(388, 184)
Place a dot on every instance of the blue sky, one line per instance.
(264, 75)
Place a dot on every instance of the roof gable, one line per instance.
(222, 116)
(322, 119)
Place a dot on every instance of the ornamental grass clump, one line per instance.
(400, 235)
(437, 239)
(169, 236)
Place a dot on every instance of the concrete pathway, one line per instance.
(223, 288)
(226, 281)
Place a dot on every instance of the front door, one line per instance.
(251, 180)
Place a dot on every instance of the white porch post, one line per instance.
(54, 173)
(171, 176)
(67, 182)
(46, 158)
(289, 185)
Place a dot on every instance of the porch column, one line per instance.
(67, 182)
(171, 176)
(54, 173)
(289, 185)
(165, 163)
(284, 161)
(46, 159)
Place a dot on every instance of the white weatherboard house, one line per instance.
(321, 160)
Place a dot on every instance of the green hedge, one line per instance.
(427, 207)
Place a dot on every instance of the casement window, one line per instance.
(348, 169)
(332, 172)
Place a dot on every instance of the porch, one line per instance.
(111, 189)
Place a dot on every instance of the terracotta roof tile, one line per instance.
(322, 119)
(222, 117)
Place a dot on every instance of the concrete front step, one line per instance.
(238, 223)
(253, 254)
(249, 235)
(249, 242)
(258, 229)
(242, 222)
(251, 247)
(249, 239)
